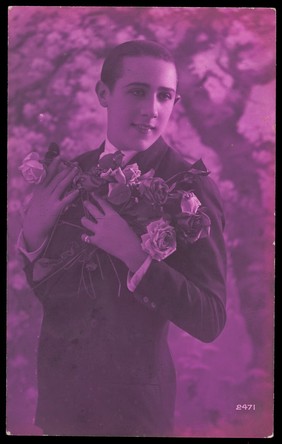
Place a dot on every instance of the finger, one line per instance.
(89, 215)
(99, 203)
(91, 226)
(93, 210)
(62, 183)
(70, 197)
(62, 179)
(52, 170)
(59, 174)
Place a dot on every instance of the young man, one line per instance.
(104, 367)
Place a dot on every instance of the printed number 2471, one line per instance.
(245, 407)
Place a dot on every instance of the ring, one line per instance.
(86, 239)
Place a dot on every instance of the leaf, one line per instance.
(118, 193)
(200, 166)
(197, 169)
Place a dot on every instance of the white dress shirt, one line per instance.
(133, 279)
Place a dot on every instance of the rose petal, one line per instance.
(148, 175)
(106, 174)
(160, 241)
(132, 172)
(118, 193)
(189, 202)
(119, 176)
(31, 156)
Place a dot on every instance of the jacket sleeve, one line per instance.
(189, 287)
(22, 248)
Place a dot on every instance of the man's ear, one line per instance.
(102, 92)
(177, 98)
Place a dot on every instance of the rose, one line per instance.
(32, 169)
(189, 202)
(131, 173)
(192, 227)
(155, 190)
(160, 240)
(115, 175)
(107, 175)
(112, 160)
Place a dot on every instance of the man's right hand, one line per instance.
(47, 202)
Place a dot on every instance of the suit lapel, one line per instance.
(151, 157)
(90, 158)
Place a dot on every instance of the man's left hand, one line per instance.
(111, 233)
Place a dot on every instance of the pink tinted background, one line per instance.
(226, 60)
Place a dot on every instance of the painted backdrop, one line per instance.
(226, 61)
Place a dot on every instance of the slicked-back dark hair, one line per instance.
(112, 67)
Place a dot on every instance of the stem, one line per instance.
(99, 264)
(116, 273)
(71, 224)
(64, 266)
(175, 175)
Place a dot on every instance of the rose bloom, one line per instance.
(189, 202)
(131, 173)
(156, 190)
(32, 169)
(115, 175)
(160, 240)
(193, 227)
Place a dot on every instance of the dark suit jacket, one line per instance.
(104, 367)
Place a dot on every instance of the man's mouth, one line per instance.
(144, 128)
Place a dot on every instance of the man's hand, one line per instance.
(47, 203)
(111, 233)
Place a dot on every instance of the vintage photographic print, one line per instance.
(141, 149)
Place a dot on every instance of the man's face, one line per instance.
(141, 102)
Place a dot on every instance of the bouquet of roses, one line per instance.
(164, 213)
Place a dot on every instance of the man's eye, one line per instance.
(165, 96)
(137, 92)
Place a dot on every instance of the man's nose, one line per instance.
(149, 107)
